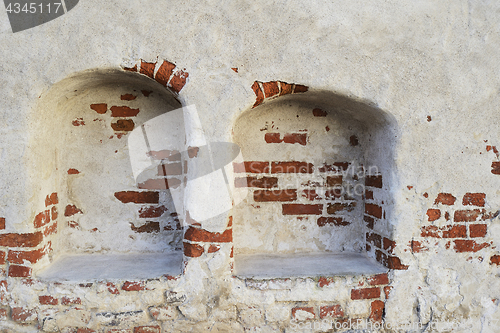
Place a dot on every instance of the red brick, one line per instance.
(334, 208)
(478, 230)
(147, 329)
(42, 219)
(133, 286)
(300, 89)
(100, 108)
(338, 221)
(51, 229)
(2, 257)
(127, 97)
(389, 245)
(365, 293)
(123, 125)
(21, 240)
(495, 260)
(291, 167)
(370, 221)
(286, 88)
(178, 81)
(275, 195)
(331, 311)
(319, 113)
(264, 182)
(123, 111)
(300, 209)
(48, 300)
(311, 195)
(150, 212)
(375, 239)
(193, 151)
(334, 167)
(387, 291)
(170, 169)
(466, 215)
(395, 263)
(71, 210)
(251, 167)
(159, 184)
(147, 227)
(378, 279)
(382, 258)
(112, 288)
(53, 213)
(467, 245)
(19, 271)
(374, 181)
(324, 281)
(417, 247)
(300, 138)
(474, 199)
(353, 140)
(192, 250)
(272, 138)
(18, 257)
(333, 194)
(131, 69)
(147, 68)
(164, 72)
(3, 315)
(119, 330)
(23, 315)
(2, 223)
(368, 194)
(433, 214)
(495, 168)
(373, 210)
(448, 231)
(70, 301)
(445, 199)
(51, 199)
(306, 309)
(213, 248)
(270, 89)
(73, 172)
(334, 181)
(138, 197)
(201, 235)
(258, 93)
(377, 311)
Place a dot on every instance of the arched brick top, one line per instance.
(273, 89)
(166, 73)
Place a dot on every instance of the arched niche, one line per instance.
(109, 224)
(319, 167)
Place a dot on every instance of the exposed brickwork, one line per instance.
(48, 300)
(138, 197)
(21, 240)
(445, 199)
(377, 311)
(300, 209)
(192, 250)
(301, 313)
(331, 311)
(278, 195)
(274, 89)
(365, 293)
(264, 182)
(133, 286)
(123, 111)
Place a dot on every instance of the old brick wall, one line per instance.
(409, 88)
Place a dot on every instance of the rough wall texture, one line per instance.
(409, 88)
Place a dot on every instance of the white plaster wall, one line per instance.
(411, 59)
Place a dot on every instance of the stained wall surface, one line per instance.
(429, 72)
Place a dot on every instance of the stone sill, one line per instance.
(301, 265)
(98, 267)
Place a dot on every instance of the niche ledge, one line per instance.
(269, 266)
(92, 267)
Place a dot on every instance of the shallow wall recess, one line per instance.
(318, 167)
(84, 180)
